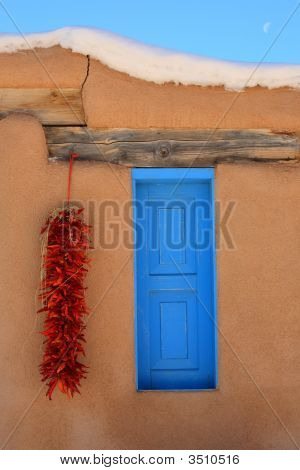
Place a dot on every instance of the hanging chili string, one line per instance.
(72, 157)
(62, 293)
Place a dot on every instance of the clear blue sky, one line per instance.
(226, 29)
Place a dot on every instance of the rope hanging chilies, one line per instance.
(62, 294)
(72, 158)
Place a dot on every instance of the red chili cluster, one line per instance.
(63, 298)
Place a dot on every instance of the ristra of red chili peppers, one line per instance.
(65, 261)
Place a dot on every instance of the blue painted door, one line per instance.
(174, 279)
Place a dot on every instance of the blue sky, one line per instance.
(225, 29)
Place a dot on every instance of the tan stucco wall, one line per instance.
(42, 68)
(257, 404)
(114, 99)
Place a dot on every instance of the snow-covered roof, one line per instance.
(156, 64)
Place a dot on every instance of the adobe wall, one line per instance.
(42, 68)
(114, 99)
(258, 310)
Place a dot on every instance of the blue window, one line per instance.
(175, 285)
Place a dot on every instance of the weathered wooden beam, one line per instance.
(106, 136)
(170, 148)
(50, 106)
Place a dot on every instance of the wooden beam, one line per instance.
(170, 148)
(50, 106)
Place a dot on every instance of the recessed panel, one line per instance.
(171, 235)
(173, 330)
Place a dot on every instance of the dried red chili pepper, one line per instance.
(62, 294)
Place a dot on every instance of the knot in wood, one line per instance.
(164, 150)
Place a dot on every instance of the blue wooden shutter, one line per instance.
(174, 278)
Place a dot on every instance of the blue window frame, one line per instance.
(175, 279)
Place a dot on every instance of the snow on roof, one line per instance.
(156, 64)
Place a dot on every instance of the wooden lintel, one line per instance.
(169, 147)
(50, 106)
